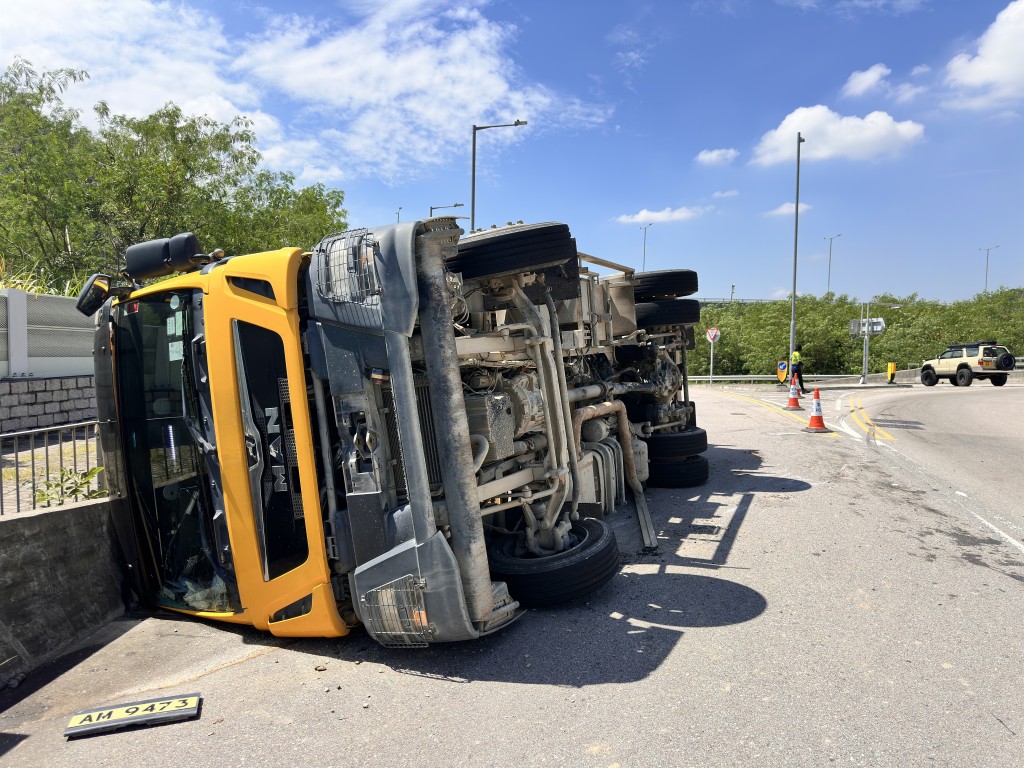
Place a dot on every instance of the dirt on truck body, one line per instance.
(405, 428)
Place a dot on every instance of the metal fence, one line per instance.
(49, 467)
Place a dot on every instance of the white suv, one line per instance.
(963, 363)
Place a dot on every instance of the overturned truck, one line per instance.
(406, 428)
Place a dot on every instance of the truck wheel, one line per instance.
(669, 312)
(964, 377)
(998, 380)
(679, 473)
(513, 249)
(664, 284)
(928, 377)
(540, 581)
(1005, 362)
(677, 445)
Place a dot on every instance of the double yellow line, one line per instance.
(776, 409)
(862, 420)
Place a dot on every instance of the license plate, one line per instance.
(136, 713)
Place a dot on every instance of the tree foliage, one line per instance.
(755, 336)
(72, 200)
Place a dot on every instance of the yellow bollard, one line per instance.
(892, 373)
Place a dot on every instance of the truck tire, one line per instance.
(928, 377)
(539, 581)
(964, 377)
(679, 473)
(998, 379)
(668, 312)
(513, 249)
(1005, 362)
(664, 284)
(677, 445)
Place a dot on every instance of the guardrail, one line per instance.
(48, 467)
(753, 377)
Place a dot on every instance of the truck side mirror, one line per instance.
(95, 292)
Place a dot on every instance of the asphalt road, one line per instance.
(853, 598)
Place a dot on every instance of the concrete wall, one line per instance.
(59, 582)
(34, 403)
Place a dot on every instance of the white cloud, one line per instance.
(875, 80)
(726, 193)
(863, 81)
(787, 209)
(666, 214)
(994, 76)
(906, 92)
(385, 87)
(830, 135)
(849, 7)
(716, 156)
(920, 69)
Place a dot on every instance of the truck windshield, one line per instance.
(164, 452)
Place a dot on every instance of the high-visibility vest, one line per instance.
(796, 358)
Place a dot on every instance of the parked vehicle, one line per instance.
(961, 364)
(406, 428)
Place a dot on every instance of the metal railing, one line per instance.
(47, 467)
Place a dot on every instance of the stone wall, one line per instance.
(36, 403)
(60, 580)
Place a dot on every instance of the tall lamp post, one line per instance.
(643, 264)
(472, 194)
(828, 283)
(865, 323)
(398, 215)
(986, 250)
(796, 234)
(439, 207)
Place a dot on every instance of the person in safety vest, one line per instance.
(797, 367)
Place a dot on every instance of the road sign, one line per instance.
(873, 326)
(713, 335)
(781, 370)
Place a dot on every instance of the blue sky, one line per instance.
(682, 115)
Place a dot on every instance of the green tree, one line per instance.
(72, 201)
(755, 336)
(46, 163)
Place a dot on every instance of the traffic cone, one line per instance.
(817, 423)
(794, 398)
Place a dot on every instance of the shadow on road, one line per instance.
(701, 525)
(620, 634)
(9, 741)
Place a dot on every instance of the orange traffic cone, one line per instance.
(817, 423)
(794, 397)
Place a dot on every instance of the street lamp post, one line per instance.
(796, 233)
(828, 283)
(439, 207)
(986, 250)
(643, 265)
(865, 323)
(398, 215)
(472, 194)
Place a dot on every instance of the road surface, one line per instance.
(824, 598)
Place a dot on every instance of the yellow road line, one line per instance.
(776, 409)
(860, 416)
